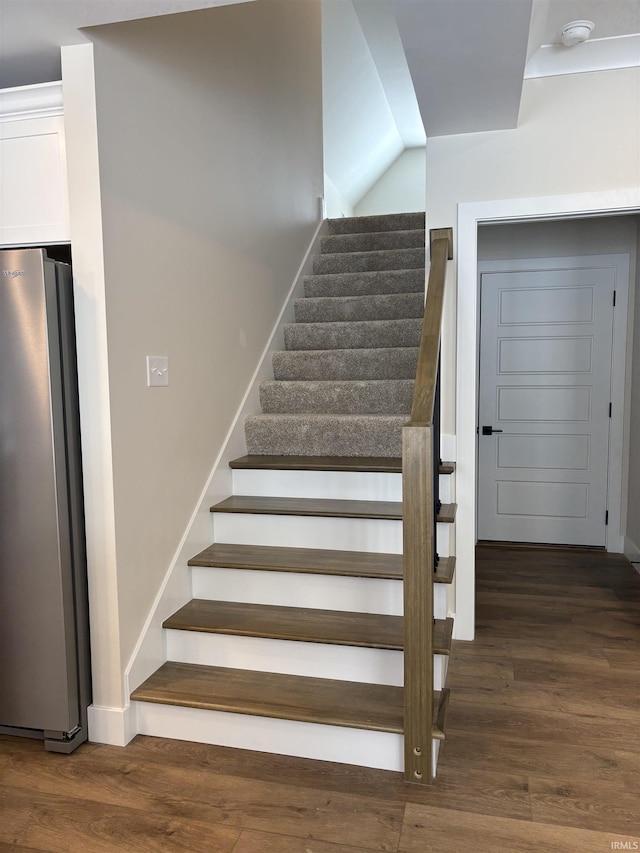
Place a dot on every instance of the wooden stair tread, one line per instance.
(317, 561)
(445, 570)
(361, 564)
(442, 636)
(375, 707)
(370, 630)
(335, 627)
(321, 507)
(447, 514)
(310, 506)
(440, 708)
(388, 465)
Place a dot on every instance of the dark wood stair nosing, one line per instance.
(440, 707)
(390, 465)
(269, 558)
(445, 570)
(442, 636)
(322, 508)
(357, 705)
(300, 624)
(365, 564)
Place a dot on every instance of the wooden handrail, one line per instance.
(441, 241)
(418, 527)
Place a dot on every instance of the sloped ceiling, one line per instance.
(468, 58)
(371, 113)
(467, 61)
(32, 31)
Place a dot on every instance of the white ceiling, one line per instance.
(468, 58)
(444, 66)
(32, 31)
(611, 17)
(454, 46)
(467, 61)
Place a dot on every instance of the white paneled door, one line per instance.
(545, 389)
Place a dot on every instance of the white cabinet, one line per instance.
(33, 177)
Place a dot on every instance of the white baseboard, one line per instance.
(175, 589)
(115, 726)
(631, 550)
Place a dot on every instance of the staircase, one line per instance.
(293, 642)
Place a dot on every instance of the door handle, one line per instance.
(489, 430)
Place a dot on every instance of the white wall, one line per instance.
(576, 133)
(335, 203)
(210, 143)
(361, 138)
(599, 235)
(401, 189)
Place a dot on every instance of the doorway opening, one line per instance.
(552, 340)
(472, 218)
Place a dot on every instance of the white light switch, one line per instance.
(157, 370)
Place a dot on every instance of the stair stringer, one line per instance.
(119, 726)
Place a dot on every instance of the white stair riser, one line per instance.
(292, 589)
(348, 534)
(440, 666)
(317, 660)
(338, 485)
(440, 604)
(382, 750)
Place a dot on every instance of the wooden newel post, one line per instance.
(418, 548)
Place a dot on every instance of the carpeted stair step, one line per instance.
(381, 396)
(387, 259)
(395, 363)
(388, 306)
(322, 435)
(384, 222)
(365, 283)
(373, 241)
(368, 334)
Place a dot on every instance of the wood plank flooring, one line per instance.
(542, 752)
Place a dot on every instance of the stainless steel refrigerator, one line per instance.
(44, 634)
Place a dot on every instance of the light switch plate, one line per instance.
(157, 370)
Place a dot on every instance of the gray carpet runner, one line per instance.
(344, 384)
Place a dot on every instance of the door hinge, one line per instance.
(614, 299)
(610, 409)
(606, 518)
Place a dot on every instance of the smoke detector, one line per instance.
(576, 32)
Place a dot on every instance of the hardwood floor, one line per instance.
(542, 752)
